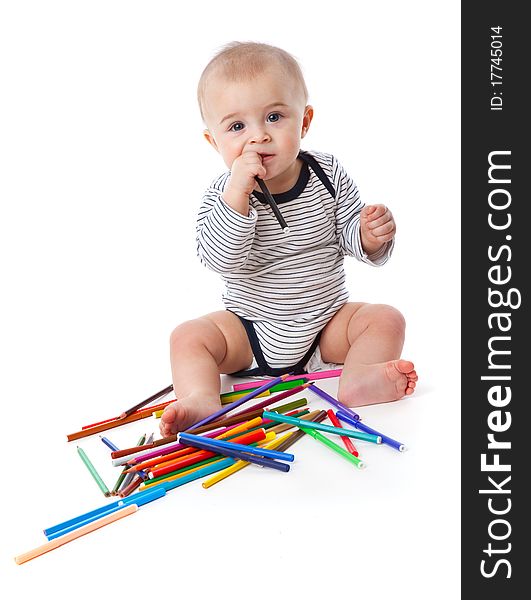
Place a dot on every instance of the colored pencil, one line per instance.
(330, 399)
(271, 201)
(93, 472)
(181, 472)
(362, 427)
(247, 455)
(249, 385)
(346, 440)
(366, 437)
(333, 446)
(187, 450)
(129, 476)
(108, 443)
(122, 475)
(296, 435)
(151, 408)
(240, 464)
(139, 499)
(229, 397)
(140, 456)
(141, 414)
(133, 484)
(126, 451)
(288, 384)
(273, 399)
(233, 405)
(190, 440)
(200, 453)
(237, 417)
(155, 396)
(68, 537)
(203, 472)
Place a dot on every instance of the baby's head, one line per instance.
(252, 96)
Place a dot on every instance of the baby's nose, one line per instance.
(259, 136)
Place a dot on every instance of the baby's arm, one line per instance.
(360, 232)
(224, 236)
(242, 181)
(377, 226)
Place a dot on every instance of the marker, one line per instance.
(233, 405)
(333, 446)
(333, 401)
(366, 437)
(359, 425)
(190, 440)
(273, 205)
(52, 545)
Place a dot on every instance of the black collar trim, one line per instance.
(294, 192)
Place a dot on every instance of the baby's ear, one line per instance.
(306, 120)
(210, 139)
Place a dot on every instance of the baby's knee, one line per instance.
(186, 333)
(390, 317)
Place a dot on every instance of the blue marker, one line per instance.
(359, 425)
(191, 439)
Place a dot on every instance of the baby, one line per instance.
(286, 303)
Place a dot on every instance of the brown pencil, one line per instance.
(141, 414)
(125, 451)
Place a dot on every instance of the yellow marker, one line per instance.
(240, 464)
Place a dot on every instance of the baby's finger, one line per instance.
(385, 232)
(381, 220)
(379, 210)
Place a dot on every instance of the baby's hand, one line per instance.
(243, 172)
(377, 227)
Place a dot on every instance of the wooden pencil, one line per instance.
(155, 396)
(122, 475)
(141, 414)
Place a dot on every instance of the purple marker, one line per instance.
(237, 403)
(333, 401)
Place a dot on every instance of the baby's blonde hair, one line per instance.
(238, 61)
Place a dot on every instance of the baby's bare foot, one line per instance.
(381, 382)
(180, 415)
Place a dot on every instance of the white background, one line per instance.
(102, 167)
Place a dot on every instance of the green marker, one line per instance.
(93, 472)
(333, 446)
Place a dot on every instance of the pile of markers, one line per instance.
(214, 448)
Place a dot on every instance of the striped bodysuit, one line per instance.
(286, 287)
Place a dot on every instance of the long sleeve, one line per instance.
(348, 211)
(224, 236)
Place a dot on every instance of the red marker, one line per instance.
(346, 440)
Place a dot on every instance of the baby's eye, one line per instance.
(274, 117)
(236, 126)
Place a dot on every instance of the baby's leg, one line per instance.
(200, 350)
(368, 339)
